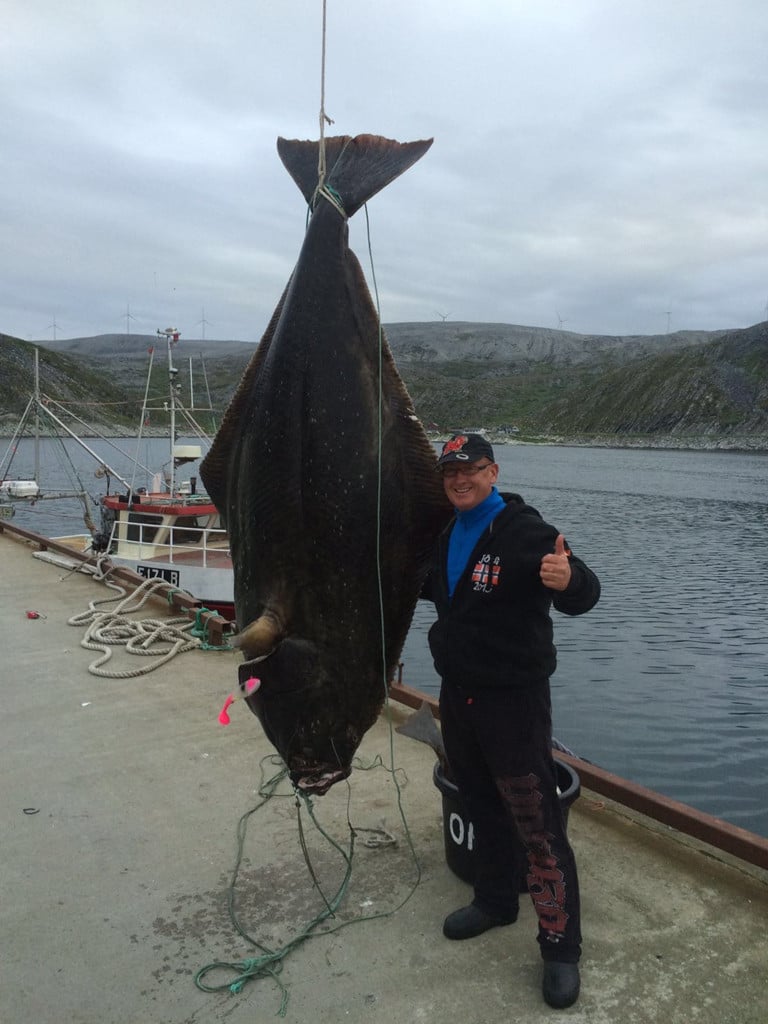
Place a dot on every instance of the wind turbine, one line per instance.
(54, 325)
(128, 317)
(560, 322)
(203, 322)
(443, 316)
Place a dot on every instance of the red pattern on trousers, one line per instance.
(546, 881)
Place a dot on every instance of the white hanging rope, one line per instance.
(321, 168)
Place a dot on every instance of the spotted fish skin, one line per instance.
(327, 484)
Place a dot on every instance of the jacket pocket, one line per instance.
(437, 644)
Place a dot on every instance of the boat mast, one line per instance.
(172, 335)
(37, 416)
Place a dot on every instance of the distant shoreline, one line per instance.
(748, 445)
(743, 445)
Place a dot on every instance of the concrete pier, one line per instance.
(120, 801)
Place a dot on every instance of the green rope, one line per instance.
(270, 961)
(199, 629)
(253, 966)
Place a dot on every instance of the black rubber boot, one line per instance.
(561, 984)
(470, 921)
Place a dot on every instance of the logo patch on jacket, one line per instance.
(486, 574)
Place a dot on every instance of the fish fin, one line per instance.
(421, 726)
(260, 636)
(215, 467)
(357, 168)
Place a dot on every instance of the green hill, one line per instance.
(89, 392)
(690, 388)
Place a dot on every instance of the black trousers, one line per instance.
(499, 748)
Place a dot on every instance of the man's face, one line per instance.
(468, 483)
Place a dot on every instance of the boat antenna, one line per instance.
(208, 394)
(142, 421)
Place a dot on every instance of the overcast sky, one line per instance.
(597, 165)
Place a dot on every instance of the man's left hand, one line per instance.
(555, 569)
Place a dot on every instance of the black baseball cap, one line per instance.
(465, 448)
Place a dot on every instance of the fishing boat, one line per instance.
(169, 530)
(174, 535)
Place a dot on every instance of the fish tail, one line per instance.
(356, 168)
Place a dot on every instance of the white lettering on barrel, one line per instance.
(456, 828)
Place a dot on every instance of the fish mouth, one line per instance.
(319, 780)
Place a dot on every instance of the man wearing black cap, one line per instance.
(498, 569)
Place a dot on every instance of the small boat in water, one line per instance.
(169, 530)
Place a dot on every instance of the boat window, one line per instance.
(186, 530)
(142, 526)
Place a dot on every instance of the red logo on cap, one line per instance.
(454, 445)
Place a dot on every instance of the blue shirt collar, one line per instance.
(492, 504)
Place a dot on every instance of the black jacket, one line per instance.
(496, 630)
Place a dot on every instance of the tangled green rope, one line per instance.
(269, 962)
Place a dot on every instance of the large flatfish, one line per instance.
(327, 483)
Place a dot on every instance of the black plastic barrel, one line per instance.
(458, 832)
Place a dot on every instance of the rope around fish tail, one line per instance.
(322, 189)
(321, 169)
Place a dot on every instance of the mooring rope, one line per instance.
(159, 639)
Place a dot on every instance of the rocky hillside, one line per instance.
(513, 345)
(692, 387)
(718, 391)
(72, 382)
(425, 343)
(686, 388)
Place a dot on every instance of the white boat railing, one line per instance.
(167, 542)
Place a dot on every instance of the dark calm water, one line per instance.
(665, 681)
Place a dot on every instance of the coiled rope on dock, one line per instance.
(158, 639)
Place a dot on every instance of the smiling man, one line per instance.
(498, 570)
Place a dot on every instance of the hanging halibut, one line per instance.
(327, 484)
